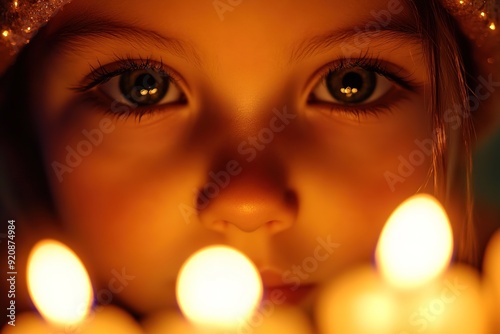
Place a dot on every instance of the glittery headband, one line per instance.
(21, 19)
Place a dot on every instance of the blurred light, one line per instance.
(492, 26)
(5, 33)
(416, 243)
(218, 287)
(491, 262)
(375, 309)
(58, 283)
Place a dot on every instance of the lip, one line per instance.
(278, 292)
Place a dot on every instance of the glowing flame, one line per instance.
(416, 243)
(218, 287)
(58, 283)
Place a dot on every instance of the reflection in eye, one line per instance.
(357, 87)
(352, 86)
(141, 88)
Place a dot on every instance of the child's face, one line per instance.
(290, 164)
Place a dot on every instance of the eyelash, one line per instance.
(102, 74)
(368, 63)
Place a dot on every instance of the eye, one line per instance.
(351, 86)
(142, 88)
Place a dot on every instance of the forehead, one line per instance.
(254, 27)
(245, 49)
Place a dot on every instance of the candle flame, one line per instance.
(218, 287)
(58, 283)
(416, 243)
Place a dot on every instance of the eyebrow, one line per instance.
(77, 33)
(348, 39)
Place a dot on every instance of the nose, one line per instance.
(254, 196)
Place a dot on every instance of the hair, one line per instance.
(450, 68)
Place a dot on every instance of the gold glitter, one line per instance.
(477, 20)
(22, 19)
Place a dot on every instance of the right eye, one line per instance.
(358, 87)
(143, 88)
(352, 86)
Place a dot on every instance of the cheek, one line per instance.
(353, 175)
(125, 215)
(122, 200)
(131, 220)
(383, 157)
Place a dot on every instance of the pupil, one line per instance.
(146, 80)
(353, 80)
(144, 87)
(352, 85)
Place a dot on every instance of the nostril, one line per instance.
(257, 197)
(248, 210)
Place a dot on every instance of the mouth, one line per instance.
(278, 291)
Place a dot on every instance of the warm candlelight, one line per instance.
(283, 319)
(109, 320)
(413, 291)
(105, 320)
(29, 323)
(60, 288)
(357, 302)
(218, 287)
(416, 243)
(492, 278)
(58, 283)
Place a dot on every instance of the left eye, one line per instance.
(351, 86)
(142, 87)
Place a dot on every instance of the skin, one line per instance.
(322, 175)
